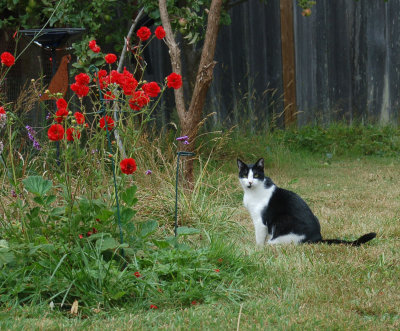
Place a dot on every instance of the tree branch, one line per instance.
(175, 55)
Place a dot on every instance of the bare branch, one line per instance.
(175, 55)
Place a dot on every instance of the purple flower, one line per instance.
(148, 172)
(13, 194)
(31, 136)
(186, 142)
(183, 138)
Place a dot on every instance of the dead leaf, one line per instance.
(74, 308)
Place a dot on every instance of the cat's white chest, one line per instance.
(256, 199)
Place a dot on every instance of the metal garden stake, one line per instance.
(176, 187)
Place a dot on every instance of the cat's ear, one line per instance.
(260, 163)
(240, 164)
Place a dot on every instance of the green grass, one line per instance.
(304, 287)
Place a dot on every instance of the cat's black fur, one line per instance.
(287, 213)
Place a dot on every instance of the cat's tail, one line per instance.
(362, 240)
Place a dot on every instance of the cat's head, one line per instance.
(251, 175)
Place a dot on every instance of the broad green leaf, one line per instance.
(104, 244)
(128, 196)
(37, 185)
(184, 231)
(148, 228)
(127, 214)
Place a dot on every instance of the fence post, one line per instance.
(288, 62)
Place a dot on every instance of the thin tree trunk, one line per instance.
(191, 118)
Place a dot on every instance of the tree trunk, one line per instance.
(191, 118)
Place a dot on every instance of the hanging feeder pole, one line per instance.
(176, 187)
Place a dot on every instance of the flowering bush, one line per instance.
(64, 235)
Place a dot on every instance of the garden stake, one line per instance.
(93, 69)
(176, 187)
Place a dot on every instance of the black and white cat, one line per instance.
(279, 213)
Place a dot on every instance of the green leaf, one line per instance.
(6, 257)
(127, 214)
(37, 185)
(185, 231)
(104, 214)
(104, 244)
(118, 295)
(148, 228)
(128, 196)
(50, 199)
(162, 243)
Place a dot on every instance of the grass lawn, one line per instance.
(304, 287)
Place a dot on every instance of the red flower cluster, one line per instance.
(137, 274)
(174, 81)
(56, 131)
(153, 307)
(160, 32)
(80, 87)
(94, 47)
(143, 33)
(110, 58)
(128, 166)
(139, 100)
(62, 111)
(79, 117)
(2, 111)
(125, 80)
(7, 59)
(110, 123)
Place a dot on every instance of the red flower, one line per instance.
(55, 132)
(61, 103)
(93, 46)
(110, 58)
(89, 233)
(194, 303)
(80, 90)
(216, 270)
(174, 80)
(128, 166)
(2, 111)
(143, 33)
(72, 134)
(81, 236)
(151, 89)
(160, 32)
(94, 230)
(7, 59)
(139, 100)
(137, 274)
(82, 79)
(80, 118)
(104, 80)
(61, 114)
(110, 123)
(129, 85)
(153, 307)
